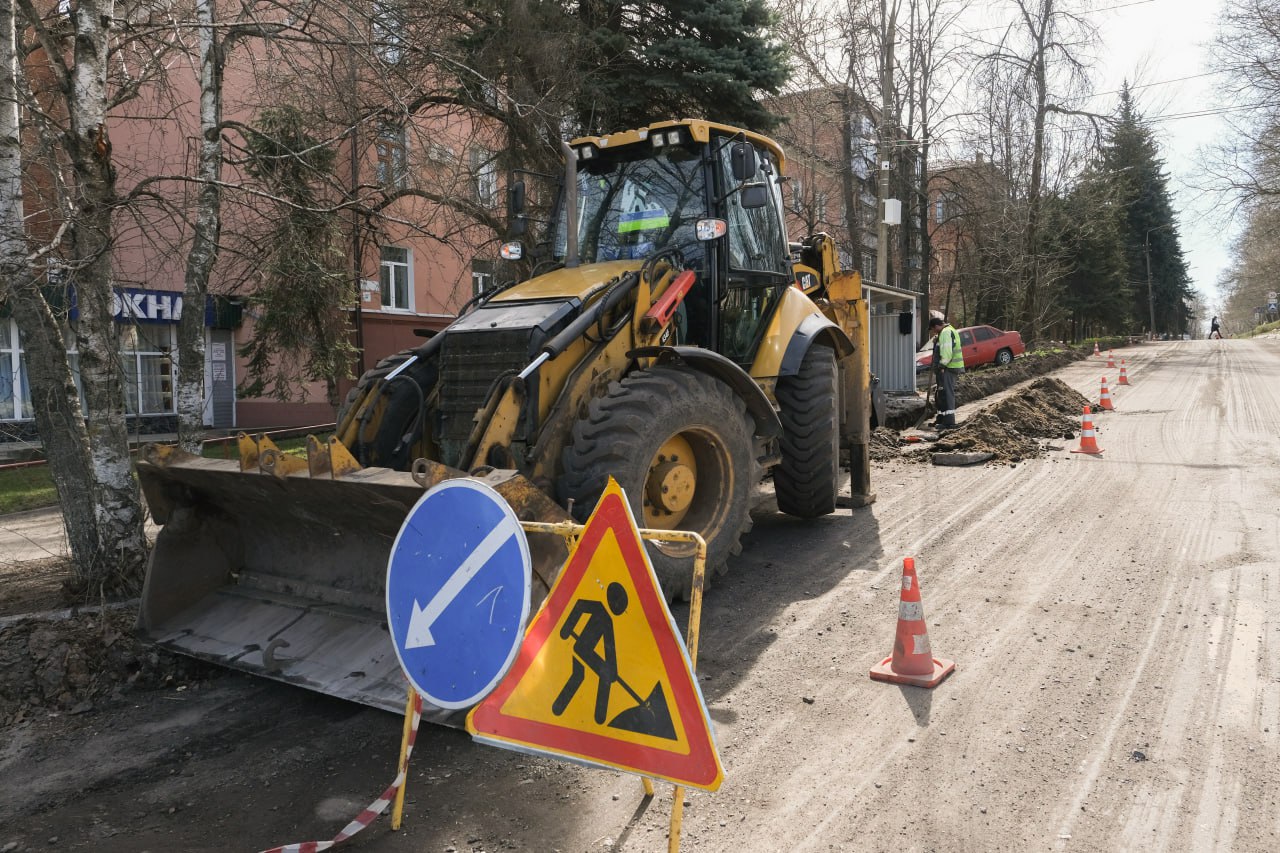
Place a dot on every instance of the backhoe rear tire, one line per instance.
(807, 480)
(680, 445)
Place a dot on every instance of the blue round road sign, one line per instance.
(458, 592)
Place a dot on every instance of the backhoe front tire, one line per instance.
(807, 480)
(679, 443)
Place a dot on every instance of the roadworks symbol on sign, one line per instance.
(603, 677)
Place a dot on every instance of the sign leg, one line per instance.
(397, 810)
(677, 819)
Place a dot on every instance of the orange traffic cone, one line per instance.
(1096, 351)
(1111, 358)
(1088, 438)
(1124, 380)
(912, 661)
(1104, 399)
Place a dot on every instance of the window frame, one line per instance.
(137, 380)
(14, 354)
(391, 147)
(484, 176)
(387, 31)
(386, 278)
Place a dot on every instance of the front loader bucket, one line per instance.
(280, 569)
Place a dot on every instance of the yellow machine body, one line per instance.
(674, 376)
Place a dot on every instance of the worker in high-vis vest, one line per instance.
(948, 363)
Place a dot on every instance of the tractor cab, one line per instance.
(711, 192)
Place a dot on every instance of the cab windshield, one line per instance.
(634, 201)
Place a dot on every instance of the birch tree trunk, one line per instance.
(58, 415)
(204, 243)
(122, 547)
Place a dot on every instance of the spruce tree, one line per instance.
(647, 61)
(1132, 158)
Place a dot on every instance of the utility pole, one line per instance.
(890, 17)
(1151, 298)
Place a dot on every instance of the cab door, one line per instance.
(755, 257)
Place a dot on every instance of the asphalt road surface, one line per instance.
(1114, 620)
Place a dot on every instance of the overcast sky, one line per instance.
(1164, 42)
(1162, 48)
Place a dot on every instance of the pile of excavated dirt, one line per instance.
(1010, 429)
(1047, 408)
(82, 661)
(986, 433)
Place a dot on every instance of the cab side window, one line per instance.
(966, 338)
(756, 240)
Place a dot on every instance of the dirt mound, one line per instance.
(75, 663)
(986, 433)
(1047, 408)
(1010, 429)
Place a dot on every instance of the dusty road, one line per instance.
(1114, 619)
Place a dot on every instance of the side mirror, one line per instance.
(516, 223)
(742, 159)
(754, 196)
(512, 251)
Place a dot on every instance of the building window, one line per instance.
(868, 266)
(388, 31)
(15, 393)
(394, 278)
(146, 367)
(393, 165)
(484, 172)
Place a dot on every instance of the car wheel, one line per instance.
(1004, 356)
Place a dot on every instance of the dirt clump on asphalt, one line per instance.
(884, 444)
(76, 663)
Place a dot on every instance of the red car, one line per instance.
(981, 345)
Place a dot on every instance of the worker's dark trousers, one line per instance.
(946, 402)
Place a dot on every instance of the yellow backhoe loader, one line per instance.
(668, 335)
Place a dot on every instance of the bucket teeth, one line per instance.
(330, 458)
(248, 451)
(260, 452)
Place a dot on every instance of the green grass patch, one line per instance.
(1262, 330)
(32, 488)
(26, 488)
(230, 449)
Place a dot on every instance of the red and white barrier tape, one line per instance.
(377, 807)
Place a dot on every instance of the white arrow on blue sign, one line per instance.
(458, 592)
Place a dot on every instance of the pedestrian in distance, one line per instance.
(948, 363)
(1215, 329)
